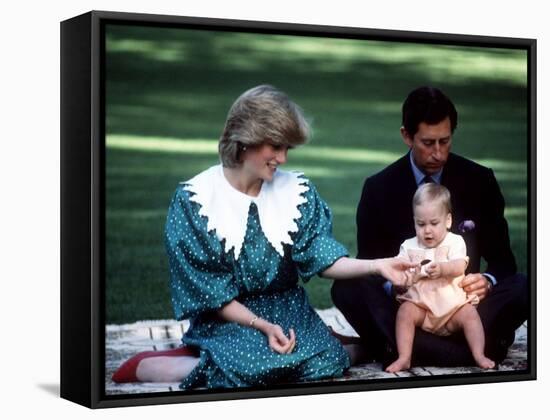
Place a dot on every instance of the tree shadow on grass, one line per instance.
(180, 83)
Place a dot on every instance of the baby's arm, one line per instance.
(453, 268)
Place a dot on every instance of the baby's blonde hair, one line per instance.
(430, 192)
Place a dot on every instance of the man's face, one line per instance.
(430, 146)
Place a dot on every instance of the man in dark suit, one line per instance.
(385, 220)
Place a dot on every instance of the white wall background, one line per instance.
(29, 191)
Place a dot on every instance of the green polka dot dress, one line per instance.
(258, 271)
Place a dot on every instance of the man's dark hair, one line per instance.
(428, 105)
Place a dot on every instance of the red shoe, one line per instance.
(127, 371)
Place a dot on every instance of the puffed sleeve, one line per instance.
(457, 248)
(403, 252)
(200, 280)
(315, 249)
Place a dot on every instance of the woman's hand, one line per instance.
(395, 270)
(278, 341)
(235, 311)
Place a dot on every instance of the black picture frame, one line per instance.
(83, 130)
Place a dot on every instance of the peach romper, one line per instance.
(440, 297)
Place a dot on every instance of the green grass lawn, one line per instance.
(168, 92)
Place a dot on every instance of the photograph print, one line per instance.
(294, 209)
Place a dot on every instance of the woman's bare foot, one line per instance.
(165, 368)
(399, 364)
(484, 362)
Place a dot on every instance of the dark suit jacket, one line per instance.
(385, 216)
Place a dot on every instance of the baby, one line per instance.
(435, 301)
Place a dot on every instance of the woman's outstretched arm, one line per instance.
(394, 269)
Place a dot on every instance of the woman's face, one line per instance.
(262, 161)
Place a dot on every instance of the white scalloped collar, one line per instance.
(227, 208)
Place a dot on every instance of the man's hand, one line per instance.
(476, 284)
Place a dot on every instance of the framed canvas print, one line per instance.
(257, 209)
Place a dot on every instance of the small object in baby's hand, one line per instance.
(424, 264)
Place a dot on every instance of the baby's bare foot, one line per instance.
(399, 364)
(484, 362)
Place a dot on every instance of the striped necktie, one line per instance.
(427, 179)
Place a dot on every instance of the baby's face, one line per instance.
(431, 222)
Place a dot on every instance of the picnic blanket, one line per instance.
(123, 341)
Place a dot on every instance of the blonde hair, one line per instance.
(430, 192)
(261, 115)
